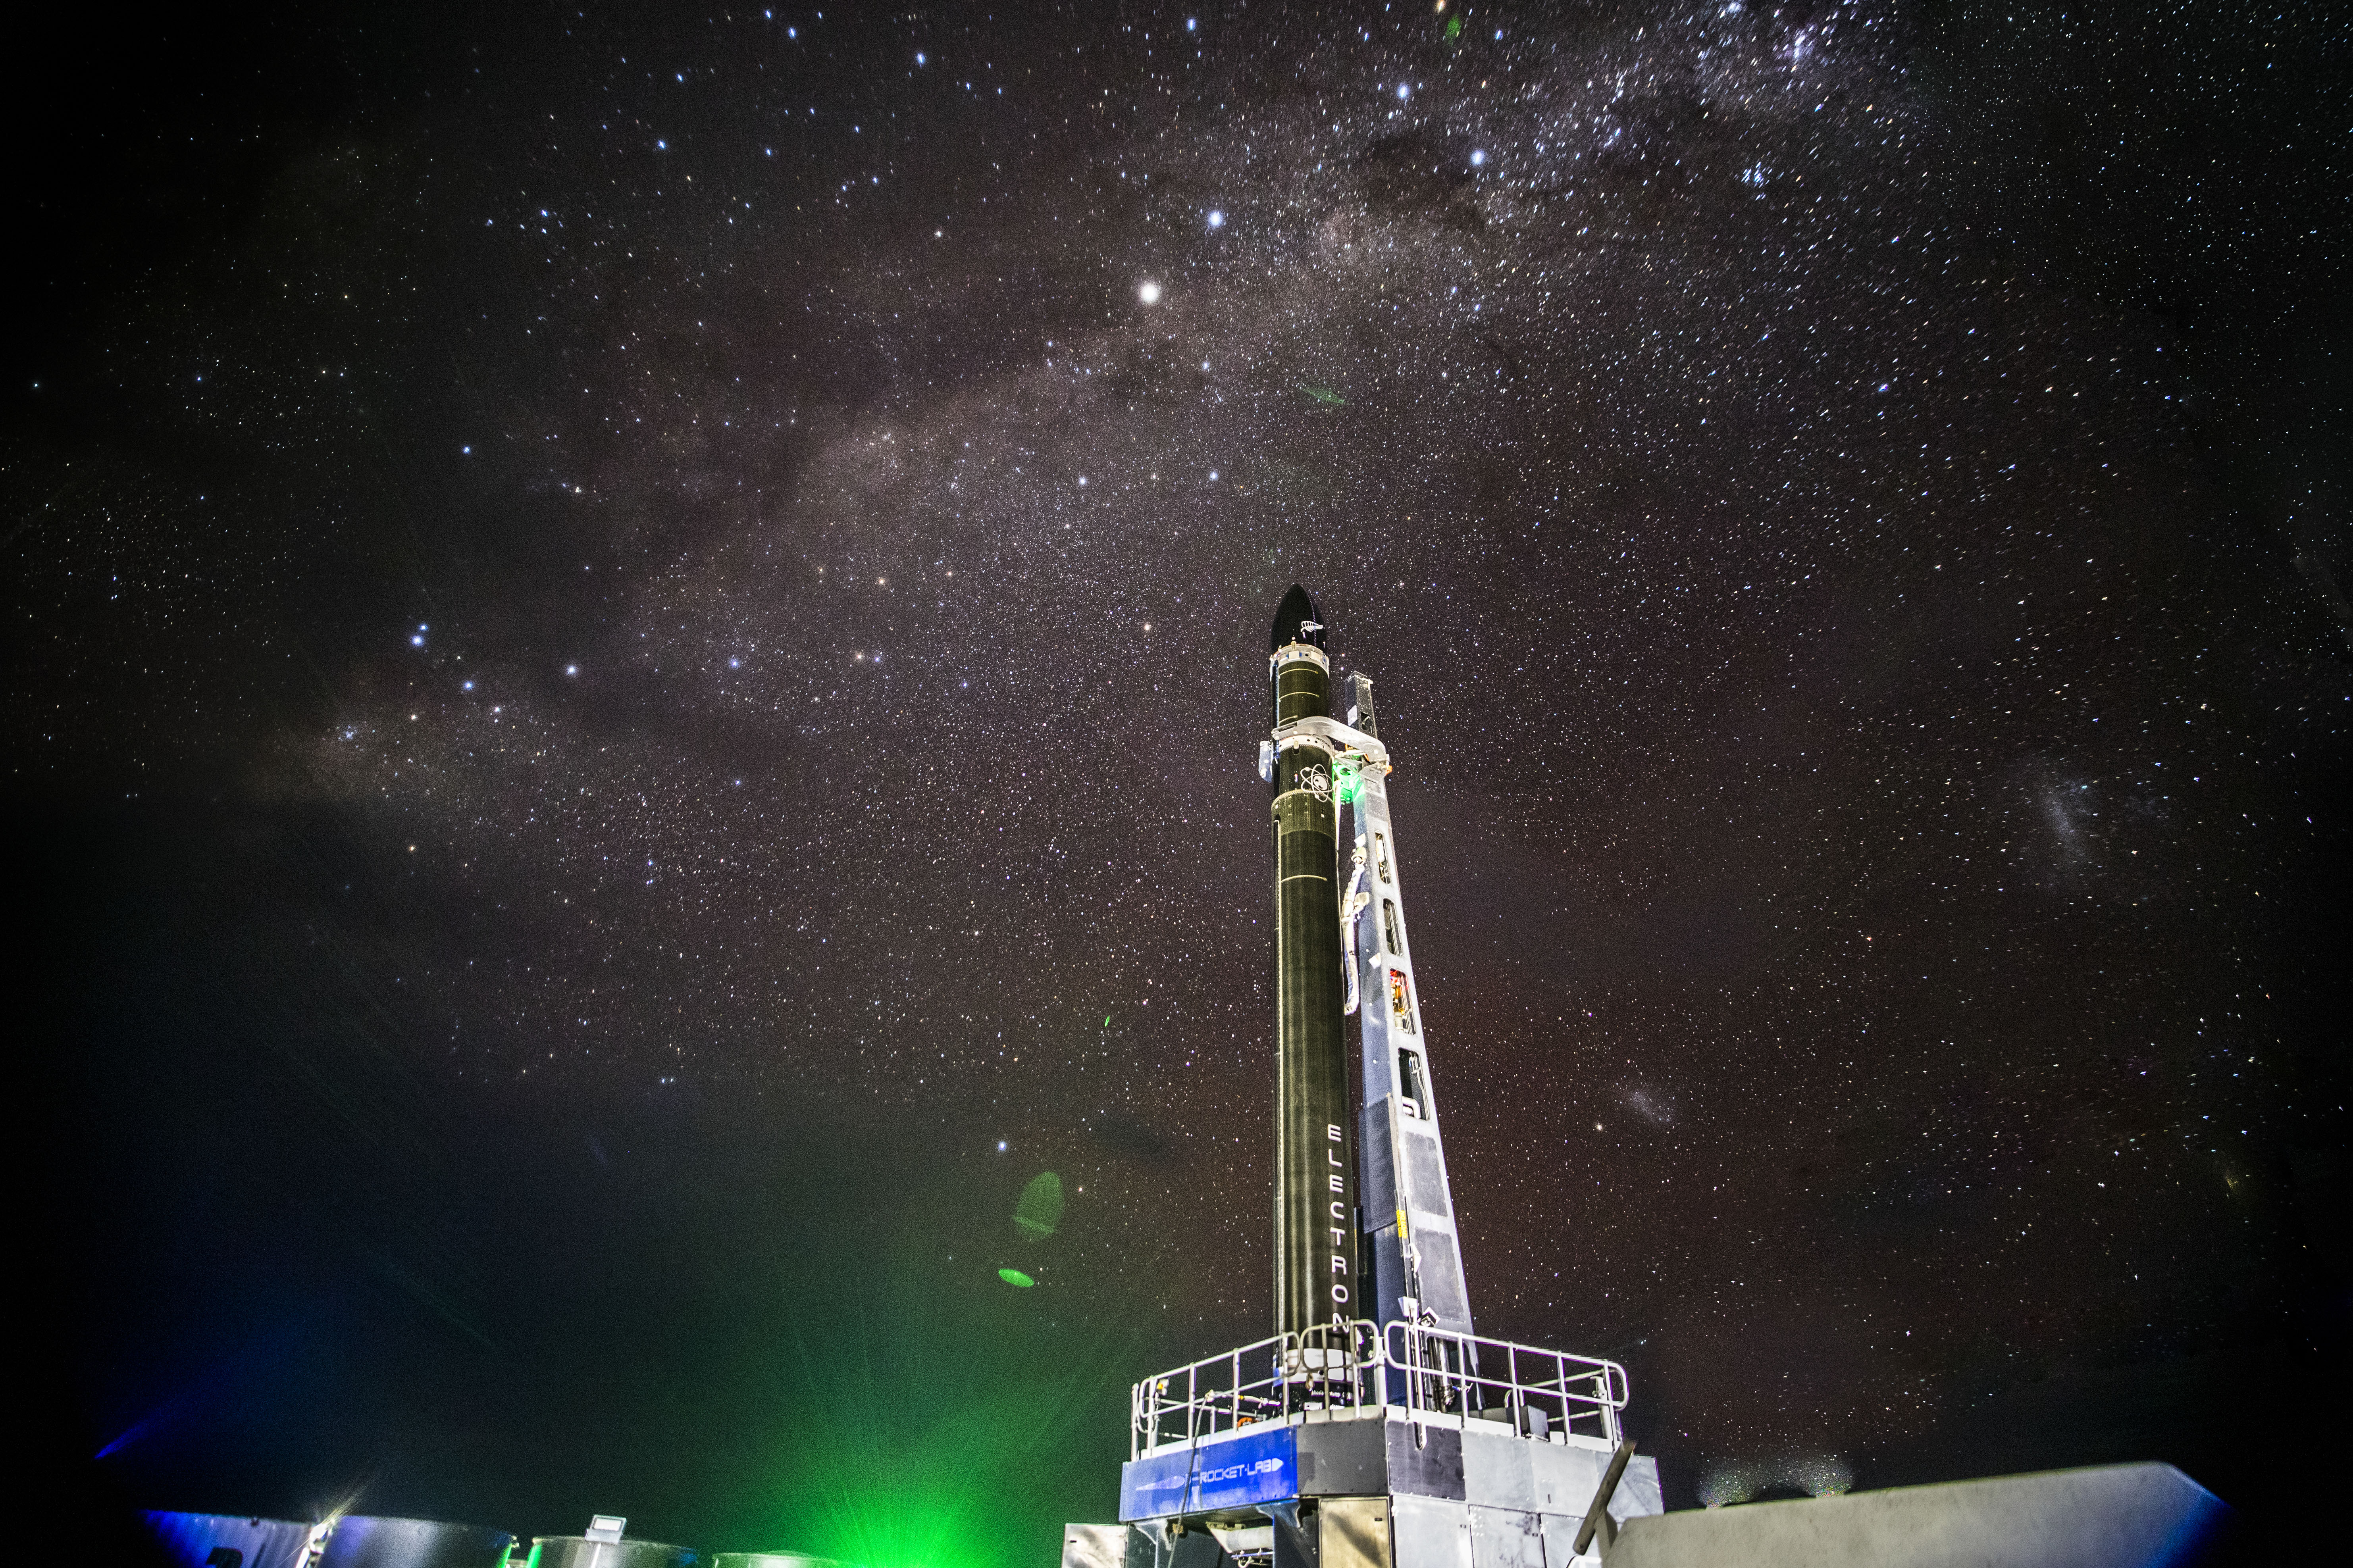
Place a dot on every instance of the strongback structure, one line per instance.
(1374, 1429)
(1416, 1266)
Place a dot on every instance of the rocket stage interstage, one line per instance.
(1376, 1429)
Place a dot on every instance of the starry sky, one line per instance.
(635, 666)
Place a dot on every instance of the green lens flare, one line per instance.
(972, 1471)
(1040, 1208)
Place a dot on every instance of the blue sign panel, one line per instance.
(1255, 1468)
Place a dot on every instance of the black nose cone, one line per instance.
(1297, 621)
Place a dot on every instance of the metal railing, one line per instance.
(1323, 1369)
(1452, 1378)
(1428, 1374)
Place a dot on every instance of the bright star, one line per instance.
(1217, 219)
(1149, 293)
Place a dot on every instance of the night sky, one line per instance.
(636, 654)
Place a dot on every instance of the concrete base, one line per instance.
(2113, 1515)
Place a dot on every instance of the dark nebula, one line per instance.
(636, 662)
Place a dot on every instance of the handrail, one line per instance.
(1433, 1375)
(1452, 1378)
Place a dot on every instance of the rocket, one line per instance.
(1315, 1224)
(1363, 1214)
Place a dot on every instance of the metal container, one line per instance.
(579, 1551)
(366, 1540)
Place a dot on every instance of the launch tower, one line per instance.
(1374, 1429)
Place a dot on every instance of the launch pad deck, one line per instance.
(1470, 1450)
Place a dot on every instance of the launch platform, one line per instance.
(1391, 1443)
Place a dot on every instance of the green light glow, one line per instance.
(1326, 395)
(932, 1407)
(1039, 1210)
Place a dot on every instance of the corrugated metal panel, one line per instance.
(1506, 1537)
(1429, 1532)
(1380, 1176)
(1431, 1467)
(1441, 1279)
(1354, 1532)
(1495, 1468)
(1425, 1176)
